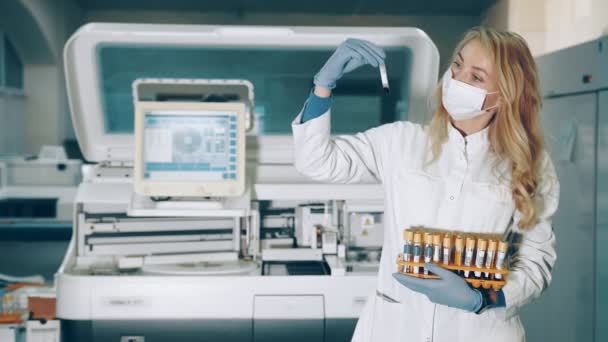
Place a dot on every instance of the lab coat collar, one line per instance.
(476, 142)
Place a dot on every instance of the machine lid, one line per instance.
(102, 60)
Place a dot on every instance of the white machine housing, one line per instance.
(90, 285)
(43, 187)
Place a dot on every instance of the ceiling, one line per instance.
(339, 7)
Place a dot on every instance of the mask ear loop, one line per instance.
(487, 110)
(490, 108)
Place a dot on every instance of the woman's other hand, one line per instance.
(450, 289)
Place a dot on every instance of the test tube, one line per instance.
(447, 248)
(425, 237)
(400, 267)
(490, 256)
(468, 256)
(458, 251)
(408, 236)
(481, 253)
(384, 77)
(500, 258)
(417, 251)
(437, 248)
(428, 249)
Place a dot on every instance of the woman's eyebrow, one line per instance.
(474, 67)
(480, 69)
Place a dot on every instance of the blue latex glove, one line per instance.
(349, 55)
(450, 289)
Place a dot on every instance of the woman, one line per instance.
(480, 166)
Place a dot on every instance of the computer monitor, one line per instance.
(189, 149)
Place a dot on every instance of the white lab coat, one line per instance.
(466, 189)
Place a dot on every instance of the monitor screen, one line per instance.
(190, 146)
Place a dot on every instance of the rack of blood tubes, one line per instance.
(479, 259)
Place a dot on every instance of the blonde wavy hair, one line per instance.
(515, 134)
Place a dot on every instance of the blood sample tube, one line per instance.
(417, 251)
(408, 236)
(480, 256)
(437, 247)
(468, 255)
(447, 248)
(490, 257)
(428, 250)
(500, 257)
(458, 251)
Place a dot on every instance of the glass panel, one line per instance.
(282, 80)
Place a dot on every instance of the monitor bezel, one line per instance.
(154, 188)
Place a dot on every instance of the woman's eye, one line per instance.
(477, 79)
(456, 64)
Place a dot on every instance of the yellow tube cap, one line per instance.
(492, 245)
(437, 239)
(447, 240)
(470, 243)
(459, 242)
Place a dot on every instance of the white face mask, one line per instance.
(461, 100)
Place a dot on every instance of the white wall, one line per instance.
(21, 29)
(571, 22)
(549, 25)
(47, 113)
(12, 124)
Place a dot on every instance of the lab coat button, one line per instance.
(452, 198)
